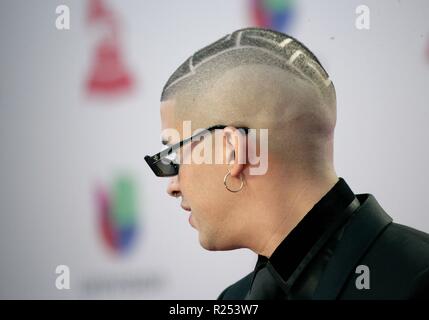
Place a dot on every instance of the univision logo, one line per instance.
(117, 213)
(272, 14)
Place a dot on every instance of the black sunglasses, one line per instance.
(162, 166)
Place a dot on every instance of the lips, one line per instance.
(185, 208)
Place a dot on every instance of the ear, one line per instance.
(236, 150)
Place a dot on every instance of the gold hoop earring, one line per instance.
(226, 185)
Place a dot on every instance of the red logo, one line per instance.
(108, 73)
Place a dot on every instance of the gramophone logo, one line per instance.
(108, 73)
(272, 14)
(117, 213)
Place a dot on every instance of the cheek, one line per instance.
(203, 185)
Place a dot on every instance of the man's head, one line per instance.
(259, 79)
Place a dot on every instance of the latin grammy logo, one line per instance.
(108, 73)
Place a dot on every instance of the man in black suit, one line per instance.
(354, 251)
(314, 237)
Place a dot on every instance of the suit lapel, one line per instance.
(363, 228)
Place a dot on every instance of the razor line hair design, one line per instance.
(250, 46)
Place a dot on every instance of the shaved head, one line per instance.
(260, 79)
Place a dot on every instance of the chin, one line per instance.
(208, 244)
(216, 245)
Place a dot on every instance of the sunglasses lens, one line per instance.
(166, 168)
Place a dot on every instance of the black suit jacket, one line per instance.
(396, 258)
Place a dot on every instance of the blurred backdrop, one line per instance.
(79, 110)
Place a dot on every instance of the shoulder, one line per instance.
(238, 290)
(400, 241)
(398, 262)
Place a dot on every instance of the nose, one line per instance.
(173, 188)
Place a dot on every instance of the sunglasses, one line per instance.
(164, 163)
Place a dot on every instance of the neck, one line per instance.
(285, 203)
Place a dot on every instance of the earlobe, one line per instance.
(236, 169)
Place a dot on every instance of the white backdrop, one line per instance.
(58, 141)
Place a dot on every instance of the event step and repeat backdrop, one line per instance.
(82, 216)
